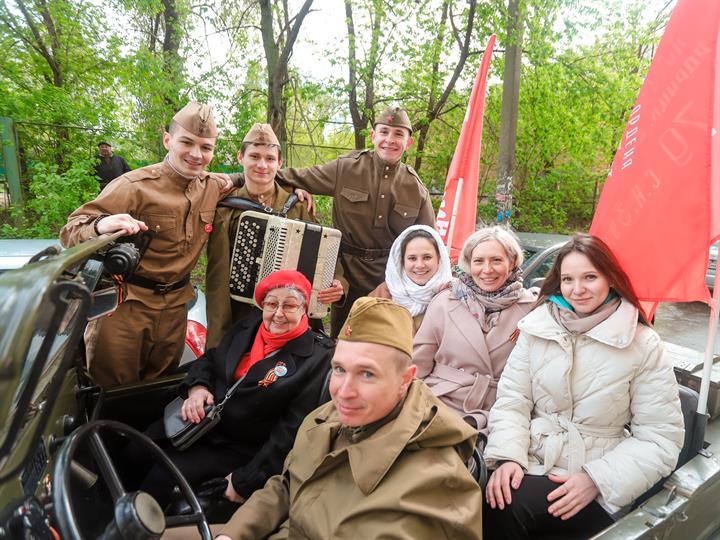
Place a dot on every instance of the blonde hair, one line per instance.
(501, 235)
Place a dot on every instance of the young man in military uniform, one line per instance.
(260, 157)
(384, 459)
(176, 200)
(375, 198)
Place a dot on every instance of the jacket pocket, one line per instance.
(354, 195)
(406, 212)
(159, 223)
(207, 216)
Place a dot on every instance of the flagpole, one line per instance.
(453, 216)
(709, 347)
(702, 409)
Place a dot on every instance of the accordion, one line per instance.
(266, 243)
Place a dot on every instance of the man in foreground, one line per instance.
(175, 200)
(384, 459)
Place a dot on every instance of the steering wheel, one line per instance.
(137, 514)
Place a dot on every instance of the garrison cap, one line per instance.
(261, 134)
(198, 119)
(381, 321)
(395, 117)
(105, 143)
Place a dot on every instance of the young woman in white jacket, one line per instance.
(587, 364)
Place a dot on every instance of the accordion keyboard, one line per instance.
(265, 244)
(245, 263)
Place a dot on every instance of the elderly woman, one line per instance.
(471, 326)
(284, 364)
(418, 265)
(587, 365)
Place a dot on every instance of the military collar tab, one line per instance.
(383, 165)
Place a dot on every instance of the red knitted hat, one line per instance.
(283, 278)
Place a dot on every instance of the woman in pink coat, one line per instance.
(470, 327)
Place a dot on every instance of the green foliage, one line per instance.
(53, 196)
(583, 64)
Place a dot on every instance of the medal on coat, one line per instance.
(280, 370)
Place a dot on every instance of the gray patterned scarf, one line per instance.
(486, 306)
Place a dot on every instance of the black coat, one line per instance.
(261, 422)
(108, 170)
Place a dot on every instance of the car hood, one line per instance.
(23, 302)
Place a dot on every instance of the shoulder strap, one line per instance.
(235, 385)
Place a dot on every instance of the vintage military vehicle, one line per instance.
(62, 473)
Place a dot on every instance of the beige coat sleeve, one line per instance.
(263, 512)
(116, 198)
(427, 340)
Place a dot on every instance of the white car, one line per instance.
(17, 252)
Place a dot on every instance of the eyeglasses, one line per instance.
(271, 306)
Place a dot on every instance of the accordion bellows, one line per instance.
(266, 243)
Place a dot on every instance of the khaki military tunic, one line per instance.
(222, 311)
(373, 202)
(406, 480)
(180, 211)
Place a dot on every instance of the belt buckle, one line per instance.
(162, 288)
(368, 257)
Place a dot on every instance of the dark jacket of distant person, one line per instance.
(109, 168)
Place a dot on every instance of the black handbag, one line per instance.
(182, 434)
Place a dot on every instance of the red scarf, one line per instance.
(265, 343)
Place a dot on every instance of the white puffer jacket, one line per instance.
(563, 402)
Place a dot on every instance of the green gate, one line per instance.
(10, 191)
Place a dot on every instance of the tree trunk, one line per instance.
(435, 106)
(277, 55)
(508, 119)
(363, 76)
(172, 63)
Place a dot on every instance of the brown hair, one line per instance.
(412, 235)
(244, 146)
(603, 260)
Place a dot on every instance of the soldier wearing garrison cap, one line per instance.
(385, 458)
(375, 198)
(176, 200)
(260, 156)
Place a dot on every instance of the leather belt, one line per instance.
(365, 254)
(156, 286)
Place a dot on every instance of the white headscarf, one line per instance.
(415, 298)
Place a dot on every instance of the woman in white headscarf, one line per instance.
(418, 265)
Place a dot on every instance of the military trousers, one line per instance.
(135, 343)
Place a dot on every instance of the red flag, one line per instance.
(466, 166)
(660, 207)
